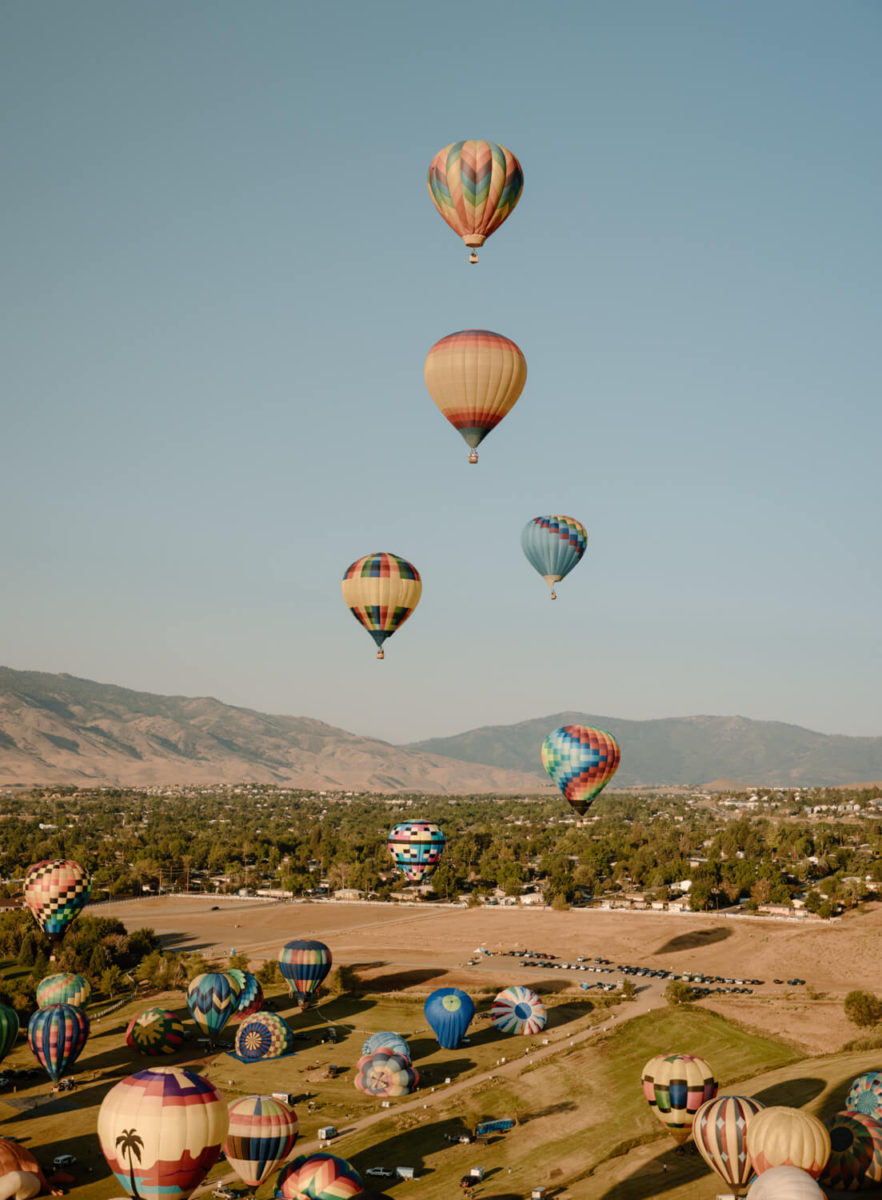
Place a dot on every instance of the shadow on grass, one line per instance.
(399, 981)
(791, 1093)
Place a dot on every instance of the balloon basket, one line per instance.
(381, 654)
(473, 257)
(473, 457)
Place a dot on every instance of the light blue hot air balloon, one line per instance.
(449, 1012)
(553, 545)
(386, 1040)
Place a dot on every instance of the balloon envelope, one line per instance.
(385, 1073)
(57, 1035)
(855, 1152)
(161, 1131)
(676, 1086)
(475, 185)
(785, 1183)
(449, 1012)
(261, 1135)
(304, 964)
(63, 989)
(865, 1095)
(553, 545)
(263, 1035)
(416, 847)
(250, 993)
(155, 1031)
(55, 890)
(719, 1131)
(381, 591)
(9, 1027)
(386, 1040)
(781, 1136)
(518, 1010)
(580, 761)
(475, 378)
(319, 1177)
(212, 999)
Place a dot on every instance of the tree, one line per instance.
(678, 992)
(863, 1009)
(559, 902)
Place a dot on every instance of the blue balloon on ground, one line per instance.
(386, 1040)
(449, 1012)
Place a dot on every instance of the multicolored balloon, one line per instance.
(385, 1073)
(781, 1136)
(475, 185)
(865, 1095)
(212, 999)
(261, 1135)
(518, 1010)
(675, 1087)
(155, 1031)
(553, 545)
(9, 1026)
(56, 1036)
(161, 1132)
(417, 847)
(580, 761)
(318, 1177)
(263, 1035)
(785, 1183)
(449, 1012)
(55, 890)
(304, 965)
(386, 1040)
(475, 378)
(855, 1152)
(65, 988)
(250, 993)
(381, 590)
(719, 1131)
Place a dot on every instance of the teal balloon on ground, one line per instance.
(212, 999)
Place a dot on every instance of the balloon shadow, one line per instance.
(399, 981)
(791, 1093)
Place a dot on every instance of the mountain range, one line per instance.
(62, 729)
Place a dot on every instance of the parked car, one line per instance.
(382, 1172)
(63, 1160)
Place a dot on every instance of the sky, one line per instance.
(222, 273)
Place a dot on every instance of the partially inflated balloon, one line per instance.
(781, 1136)
(719, 1131)
(260, 1137)
(63, 989)
(855, 1152)
(9, 1026)
(475, 185)
(553, 545)
(518, 1010)
(475, 377)
(161, 1132)
(381, 590)
(304, 964)
(250, 993)
(263, 1035)
(785, 1183)
(386, 1040)
(212, 999)
(55, 891)
(385, 1073)
(449, 1012)
(56, 1036)
(676, 1086)
(15, 1160)
(416, 847)
(580, 761)
(865, 1095)
(155, 1031)
(319, 1177)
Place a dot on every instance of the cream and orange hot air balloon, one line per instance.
(381, 590)
(475, 377)
(475, 185)
(781, 1136)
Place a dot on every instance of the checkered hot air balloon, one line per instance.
(161, 1131)
(304, 964)
(260, 1137)
(475, 378)
(865, 1095)
(212, 999)
(475, 186)
(250, 993)
(155, 1031)
(855, 1152)
(449, 1012)
(385, 1073)
(719, 1131)
(416, 847)
(55, 891)
(675, 1087)
(65, 988)
(56, 1036)
(381, 591)
(518, 1010)
(9, 1026)
(319, 1177)
(387, 1040)
(263, 1035)
(580, 761)
(553, 546)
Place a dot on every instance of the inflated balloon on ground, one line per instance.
(319, 1177)
(385, 1073)
(675, 1087)
(250, 993)
(65, 988)
(263, 1035)
(212, 999)
(386, 1040)
(855, 1152)
(865, 1095)
(449, 1012)
(155, 1031)
(260, 1137)
(9, 1026)
(304, 965)
(518, 1010)
(57, 1035)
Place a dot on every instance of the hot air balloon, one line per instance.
(55, 891)
(553, 545)
(785, 1183)
(855, 1152)
(449, 1012)
(865, 1095)
(319, 1177)
(718, 1130)
(416, 847)
(385, 1073)
(676, 1086)
(581, 761)
(386, 1040)
(475, 185)
(56, 1036)
(263, 1035)
(475, 377)
(20, 1174)
(9, 1027)
(381, 590)
(212, 1000)
(518, 1010)
(161, 1132)
(250, 993)
(261, 1136)
(781, 1136)
(155, 1031)
(304, 964)
(63, 989)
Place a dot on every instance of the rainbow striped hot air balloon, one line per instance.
(212, 999)
(381, 590)
(580, 761)
(385, 1073)
(518, 1010)
(263, 1035)
(475, 378)
(155, 1031)
(319, 1177)
(250, 993)
(56, 1036)
(65, 988)
(449, 1011)
(676, 1086)
(260, 1137)
(417, 847)
(475, 185)
(55, 891)
(161, 1132)
(304, 964)
(553, 546)
(719, 1130)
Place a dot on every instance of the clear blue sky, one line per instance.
(222, 273)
